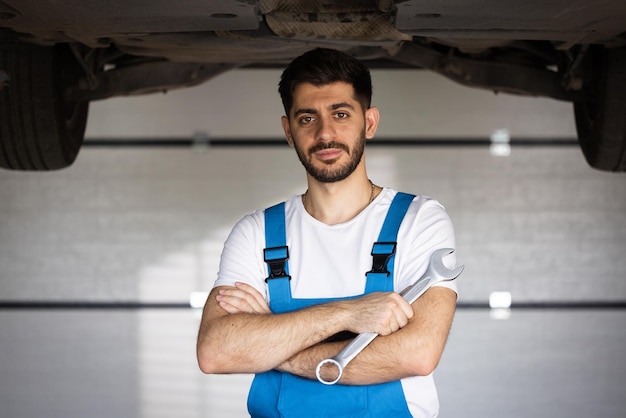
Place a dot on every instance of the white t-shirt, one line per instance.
(330, 261)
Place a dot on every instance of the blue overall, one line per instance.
(279, 394)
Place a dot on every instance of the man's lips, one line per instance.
(328, 154)
(329, 151)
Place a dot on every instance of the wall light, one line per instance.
(500, 143)
(500, 304)
(500, 300)
(198, 299)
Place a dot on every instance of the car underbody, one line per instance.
(79, 51)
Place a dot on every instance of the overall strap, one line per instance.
(380, 278)
(276, 255)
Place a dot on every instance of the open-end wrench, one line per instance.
(436, 272)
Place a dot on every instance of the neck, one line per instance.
(335, 203)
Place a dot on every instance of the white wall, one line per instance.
(245, 103)
(147, 225)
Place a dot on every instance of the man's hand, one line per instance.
(383, 313)
(413, 350)
(242, 298)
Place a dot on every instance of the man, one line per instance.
(293, 279)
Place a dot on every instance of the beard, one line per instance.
(329, 173)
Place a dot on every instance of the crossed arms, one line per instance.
(239, 334)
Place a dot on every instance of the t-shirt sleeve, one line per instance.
(242, 256)
(429, 229)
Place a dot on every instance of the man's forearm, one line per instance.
(251, 343)
(376, 364)
(235, 338)
(411, 351)
(305, 362)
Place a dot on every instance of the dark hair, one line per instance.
(323, 66)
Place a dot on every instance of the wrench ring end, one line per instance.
(319, 368)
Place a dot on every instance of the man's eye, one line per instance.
(341, 115)
(306, 120)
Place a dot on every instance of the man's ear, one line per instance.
(372, 116)
(285, 122)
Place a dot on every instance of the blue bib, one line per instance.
(276, 394)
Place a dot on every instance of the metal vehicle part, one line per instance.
(562, 49)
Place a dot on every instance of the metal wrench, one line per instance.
(436, 272)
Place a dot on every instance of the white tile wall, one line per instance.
(141, 364)
(147, 225)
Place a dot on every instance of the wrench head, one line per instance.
(335, 363)
(438, 270)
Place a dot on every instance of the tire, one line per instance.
(601, 119)
(39, 128)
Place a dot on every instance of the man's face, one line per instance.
(328, 128)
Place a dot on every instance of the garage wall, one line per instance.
(146, 224)
(245, 103)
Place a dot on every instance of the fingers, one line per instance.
(258, 298)
(242, 298)
(231, 309)
(403, 315)
(383, 313)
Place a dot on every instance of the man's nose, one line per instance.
(325, 130)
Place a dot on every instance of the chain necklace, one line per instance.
(372, 193)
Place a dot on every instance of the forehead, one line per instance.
(307, 95)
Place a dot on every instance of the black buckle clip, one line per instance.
(276, 258)
(381, 253)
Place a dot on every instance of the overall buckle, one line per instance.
(276, 259)
(381, 253)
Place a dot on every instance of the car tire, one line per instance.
(601, 118)
(39, 128)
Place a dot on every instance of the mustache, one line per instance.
(326, 145)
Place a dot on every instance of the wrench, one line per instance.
(436, 272)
